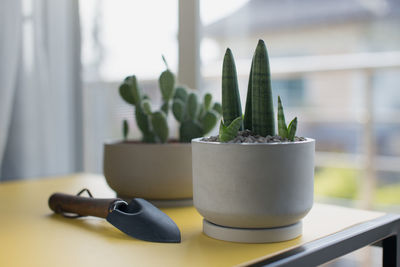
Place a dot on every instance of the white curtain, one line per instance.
(40, 97)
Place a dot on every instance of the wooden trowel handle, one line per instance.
(84, 206)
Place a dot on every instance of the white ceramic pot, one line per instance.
(150, 171)
(260, 185)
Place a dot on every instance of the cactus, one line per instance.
(160, 126)
(259, 111)
(196, 119)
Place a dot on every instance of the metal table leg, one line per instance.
(391, 251)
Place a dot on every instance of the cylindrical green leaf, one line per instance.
(292, 129)
(282, 128)
(262, 105)
(247, 121)
(231, 107)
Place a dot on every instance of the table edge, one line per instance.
(370, 232)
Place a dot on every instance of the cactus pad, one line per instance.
(160, 126)
(190, 130)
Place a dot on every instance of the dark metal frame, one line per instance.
(383, 231)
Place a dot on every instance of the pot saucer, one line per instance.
(252, 235)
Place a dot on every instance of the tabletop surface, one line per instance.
(31, 235)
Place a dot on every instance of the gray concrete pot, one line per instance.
(159, 172)
(253, 186)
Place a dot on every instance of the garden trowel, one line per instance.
(138, 219)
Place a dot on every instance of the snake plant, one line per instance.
(259, 110)
(284, 131)
(196, 117)
(231, 107)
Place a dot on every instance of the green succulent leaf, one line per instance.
(146, 106)
(282, 128)
(292, 129)
(125, 129)
(231, 107)
(247, 121)
(160, 126)
(189, 130)
(126, 94)
(201, 112)
(181, 93)
(192, 106)
(263, 122)
(208, 122)
(217, 107)
(142, 120)
(207, 101)
(129, 90)
(134, 88)
(149, 137)
(165, 108)
(167, 84)
(178, 109)
(227, 133)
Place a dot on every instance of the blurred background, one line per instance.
(336, 65)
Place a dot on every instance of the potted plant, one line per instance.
(158, 168)
(249, 184)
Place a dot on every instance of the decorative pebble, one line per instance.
(247, 136)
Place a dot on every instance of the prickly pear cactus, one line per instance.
(196, 119)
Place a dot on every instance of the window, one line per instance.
(120, 39)
(336, 65)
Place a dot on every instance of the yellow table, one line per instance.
(31, 235)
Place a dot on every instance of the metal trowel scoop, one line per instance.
(138, 219)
